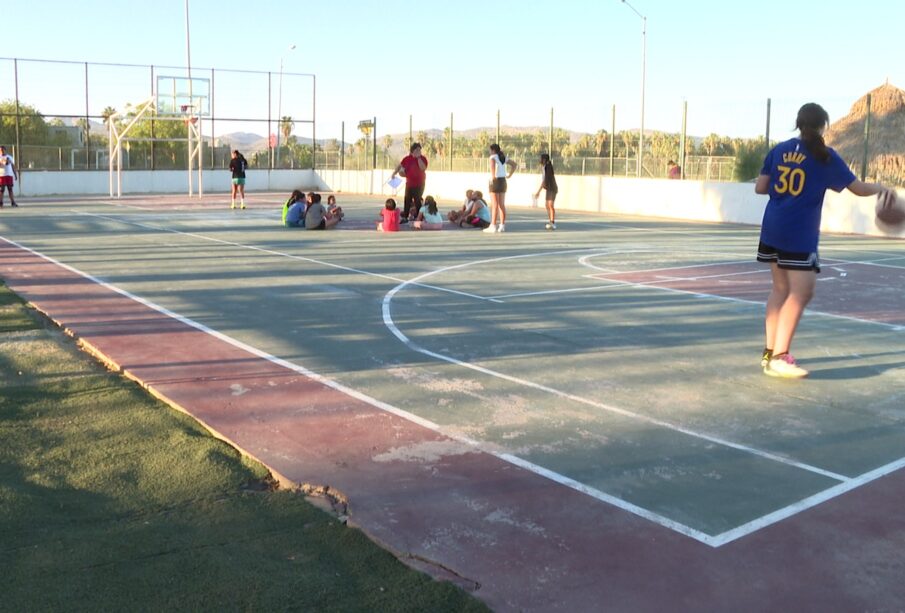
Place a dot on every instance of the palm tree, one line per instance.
(600, 140)
(710, 143)
(286, 126)
(627, 139)
(107, 113)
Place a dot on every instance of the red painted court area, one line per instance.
(750, 281)
(519, 541)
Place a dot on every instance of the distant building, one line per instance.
(74, 135)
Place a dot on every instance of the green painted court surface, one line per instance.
(572, 353)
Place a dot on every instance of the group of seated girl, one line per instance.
(307, 211)
(429, 217)
(474, 212)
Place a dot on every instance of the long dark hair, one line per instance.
(544, 158)
(812, 118)
(295, 196)
(431, 205)
(499, 152)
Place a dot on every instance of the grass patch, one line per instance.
(110, 500)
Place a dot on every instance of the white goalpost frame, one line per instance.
(170, 102)
(117, 136)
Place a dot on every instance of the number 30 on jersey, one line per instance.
(790, 180)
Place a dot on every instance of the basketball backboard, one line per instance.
(183, 96)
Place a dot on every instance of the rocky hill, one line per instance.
(886, 153)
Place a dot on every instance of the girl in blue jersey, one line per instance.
(796, 175)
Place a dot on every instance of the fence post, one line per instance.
(682, 139)
(613, 140)
(87, 125)
(768, 128)
(498, 126)
(550, 139)
(450, 142)
(213, 116)
(269, 103)
(866, 141)
(18, 150)
(153, 133)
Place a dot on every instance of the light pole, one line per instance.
(280, 106)
(643, 78)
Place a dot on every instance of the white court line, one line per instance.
(383, 406)
(805, 504)
(846, 484)
(416, 282)
(391, 325)
(653, 285)
(714, 541)
(281, 254)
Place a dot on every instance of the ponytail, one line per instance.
(499, 153)
(812, 118)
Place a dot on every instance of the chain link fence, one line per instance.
(49, 131)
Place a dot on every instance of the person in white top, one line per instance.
(500, 170)
(7, 173)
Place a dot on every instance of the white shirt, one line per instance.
(500, 168)
(6, 170)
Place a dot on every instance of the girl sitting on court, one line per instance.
(294, 210)
(429, 218)
(333, 209)
(455, 216)
(317, 217)
(389, 217)
(478, 214)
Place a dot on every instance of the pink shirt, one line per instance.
(390, 220)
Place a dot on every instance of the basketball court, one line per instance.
(566, 419)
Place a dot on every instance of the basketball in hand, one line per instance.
(890, 213)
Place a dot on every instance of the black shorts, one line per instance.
(498, 186)
(551, 195)
(788, 260)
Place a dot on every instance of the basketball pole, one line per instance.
(188, 58)
(643, 79)
(280, 105)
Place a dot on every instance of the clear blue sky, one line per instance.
(430, 58)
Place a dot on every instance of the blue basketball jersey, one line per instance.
(798, 183)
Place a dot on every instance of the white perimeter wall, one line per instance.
(86, 183)
(691, 200)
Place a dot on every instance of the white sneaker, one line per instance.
(784, 366)
(489, 230)
(552, 226)
(501, 228)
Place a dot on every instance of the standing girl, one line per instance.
(548, 183)
(237, 166)
(499, 166)
(796, 175)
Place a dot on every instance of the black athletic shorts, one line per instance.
(788, 260)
